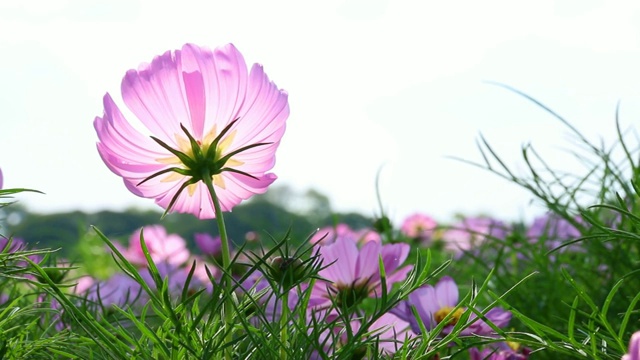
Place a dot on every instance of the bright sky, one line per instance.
(372, 83)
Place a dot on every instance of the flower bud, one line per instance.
(286, 271)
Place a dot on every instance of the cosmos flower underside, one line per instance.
(204, 111)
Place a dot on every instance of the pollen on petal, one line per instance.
(226, 142)
(183, 144)
(172, 176)
(233, 163)
(172, 160)
(219, 182)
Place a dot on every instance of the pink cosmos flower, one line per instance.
(176, 277)
(388, 331)
(392, 333)
(208, 117)
(202, 270)
(329, 234)
(353, 274)
(1, 179)
(252, 236)
(433, 304)
(163, 247)
(418, 226)
(634, 348)
(471, 232)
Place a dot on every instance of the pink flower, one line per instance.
(353, 274)
(163, 247)
(176, 277)
(418, 226)
(202, 270)
(209, 117)
(392, 333)
(634, 348)
(471, 232)
(1, 179)
(329, 235)
(387, 331)
(434, 304)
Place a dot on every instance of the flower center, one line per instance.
(201, 160)
(445, 311)
(200, 156)
(515, 346)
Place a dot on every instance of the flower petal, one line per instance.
(264, 110)
(342, 255)
(215, 84)
(424, 300)
(155, 95)
(393, 255)
(368, 264)
(128, 153)
(446, 292)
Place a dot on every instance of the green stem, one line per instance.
(284, 321)
(226, 282)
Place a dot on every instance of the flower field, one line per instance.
(564, 285)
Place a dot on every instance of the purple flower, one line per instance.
(353, 274)
(434, 304)
(209, 245)
(257, 291)
(553, 230)
(16, 244)
(119, 290)
(13, 245)
(1, 179)
(634, 348)
(500, 351)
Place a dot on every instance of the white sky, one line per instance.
(397, 84)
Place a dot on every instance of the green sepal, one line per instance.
(174, 169)
(175, 197)
(226, 158)
(212, 148)
(238, 172)
(184, 158)
(195, 147)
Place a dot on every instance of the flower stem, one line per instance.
(284, 321)
(226, 282)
